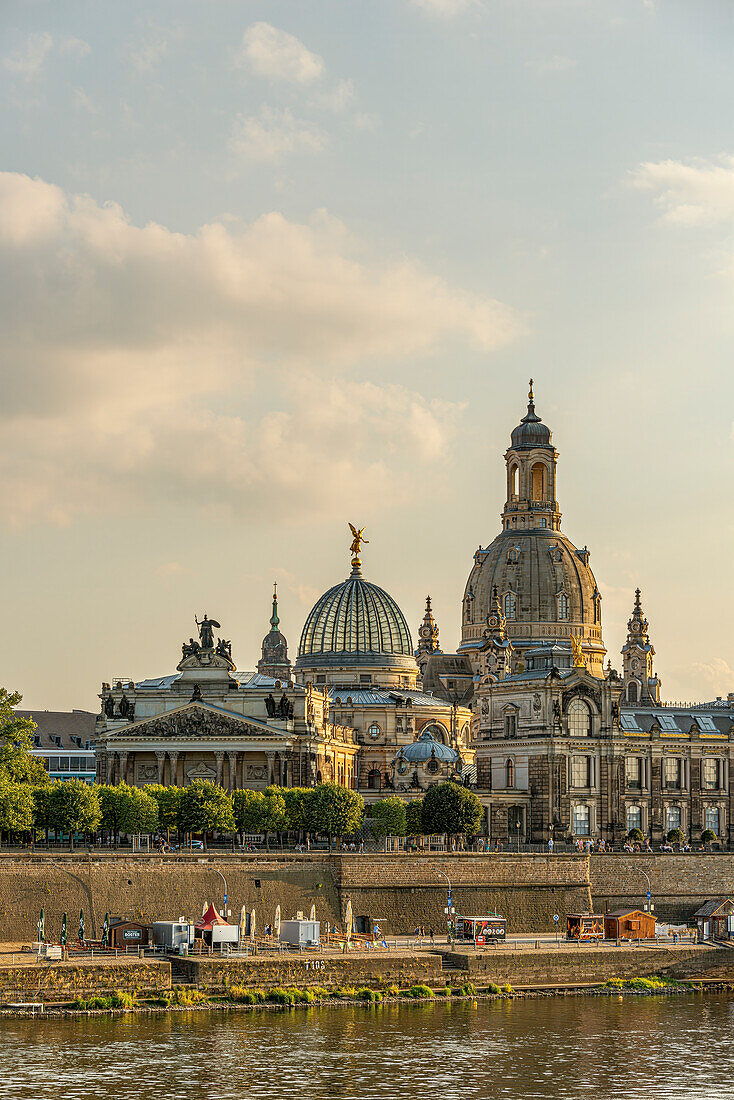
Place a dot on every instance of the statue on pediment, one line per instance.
(190, 648)
(270, 706)
(206, 631)
(196, 696)
(109, 707)
(224, 649)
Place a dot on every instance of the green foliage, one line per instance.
(118, 999)
(449, 808)
(367, 994)
(467, 990)
(493, 988)
(41, 807)
(73, 807)
(444, 992)
(17, 806)
(507, 988)
(17, 762)
(636, 836)
(258, 812)
(419, 991)
(335, 810)
(204, 807)
(654, 984)
(392, 991)
(127, 809)
(344, 991)
(280, 996)
(169, 803)
(708, 836)
(414, 817)
(676, 836)
(320, 993)
(297, 806)
(388, 817)
(240, 995)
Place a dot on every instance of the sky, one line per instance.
(270, 268)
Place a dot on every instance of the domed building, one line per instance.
(546, 590)
(356, 645)
(425, 762)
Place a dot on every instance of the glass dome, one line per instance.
(354, 619)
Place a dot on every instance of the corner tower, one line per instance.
(641, 685)
(274, 661)
(544, 584)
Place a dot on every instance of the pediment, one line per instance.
(195, 721)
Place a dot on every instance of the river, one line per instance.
(560, 1048)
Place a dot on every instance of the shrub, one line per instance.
(345, 991)
(392, 991)
(367, 994)
(493, 988)
(467, 990)
(280, 996)
(240, 995)
(636, 836)
(507, 988)
(320, 993)
(445, 992)
(302, 996)
(189, 997)
(708, 836)
(419, 991)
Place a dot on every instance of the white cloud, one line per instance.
(136, 358)
(278, 55)
(273, 134)
(335, 99)
(76, 47)
(444, 8)
(147, 53)
(695, 193)
(28, 60)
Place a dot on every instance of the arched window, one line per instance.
(510, 773)
(374, 780)
(374, 731)
(510, 605)
(633, 692)
(634, 818)
(436, 730)
(537, 481)
(513, 482)
(579, 719)
(563, 606)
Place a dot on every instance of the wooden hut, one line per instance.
(129, 933)
(584, 926)
(629, 924)
(715, 919)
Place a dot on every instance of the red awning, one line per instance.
(210, 918)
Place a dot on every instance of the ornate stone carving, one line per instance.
(200, 771)
(197, 723)
(257, 771)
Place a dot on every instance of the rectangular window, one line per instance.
(63, 764)
(510, 725)
(633, 772)
(634, 818)
(710, 773)
(581, 820)
(712, 820)
(672, 818)
(672, 773)
(365, 679)
(580, 771)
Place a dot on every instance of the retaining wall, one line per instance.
(67, 980)
(680, 882)
(397, 968)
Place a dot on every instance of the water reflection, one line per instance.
(629, 1048)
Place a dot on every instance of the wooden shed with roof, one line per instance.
(629, 924)
(715, 919)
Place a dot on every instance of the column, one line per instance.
(232, 757)
(122, 774)
(220, 767)
(110, 762)
(173, 769)
(270, 756)
(161, 761)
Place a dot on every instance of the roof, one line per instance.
(384, 697)
(629, 913)
(354, 618)
(676, 720)
(424, 748)
(211, 917)
(61, 723)
(709, 908)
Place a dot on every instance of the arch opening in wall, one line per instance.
(513, 481)
(510, 773)
(374, 779)
(563, 606)
(510, 605)
(538, 481)
(633, 692)
(579, 719)
(437, 732)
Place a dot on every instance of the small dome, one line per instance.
(426, 747)
(354, 619)
(531, 431)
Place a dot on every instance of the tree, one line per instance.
(449, 808)
(388, 817)
(258, 812)
(335, 811)
(169, 803)
(17, 762)
(16, 806)
(127, 809)
(73, 807)
(205, 807)
(708, 836)
(676, 836)
(636, 836)
(41, 808)
(297, 802)
(414, 817)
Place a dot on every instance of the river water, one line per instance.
(564, 1048)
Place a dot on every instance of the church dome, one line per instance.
(531, 431)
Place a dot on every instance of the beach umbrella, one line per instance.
(41, 923)
(206, 906)
(242, 935)
(106, 930)
(252, 925)
(63, 931)
(312, 914)
(276, 922)
(81, 926)
(348, 921)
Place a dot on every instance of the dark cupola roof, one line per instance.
(531, 431)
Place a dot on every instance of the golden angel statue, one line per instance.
(357, 544)
(579, 661)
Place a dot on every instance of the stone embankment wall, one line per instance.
(403, 891)
(65, 981)
(394, 968)
(680, 882)
(589, 963)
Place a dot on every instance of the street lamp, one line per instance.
(648, 906)
(224, 911)
(449, 910)
(518, 834)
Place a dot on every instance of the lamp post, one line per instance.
(449, 910)
(224, 910)
(518, 833)
(649, 905)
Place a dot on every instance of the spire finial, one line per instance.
(356, 546)
(531, 396)
(274, 620)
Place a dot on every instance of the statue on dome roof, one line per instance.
(356, 546)
(206, 631)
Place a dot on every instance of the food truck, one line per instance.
(480, 930)
(585, 926)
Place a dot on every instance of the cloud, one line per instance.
(335, 99)
(277, 55)
(29, 59)
(700, 192)
(149, 51)
(75, 47)
(717, 671)
(446, 9)
(212, 369)
(273, 134)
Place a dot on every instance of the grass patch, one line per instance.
(467, 990)
(653, 984)
(345, 991)
(118, 999)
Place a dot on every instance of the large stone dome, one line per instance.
(543, 583)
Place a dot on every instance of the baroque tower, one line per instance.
(428, 643)
(641, 685)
